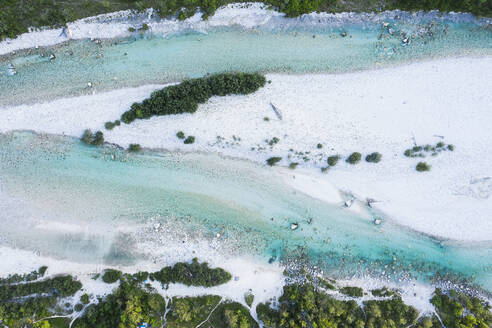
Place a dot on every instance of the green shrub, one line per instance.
(134, 148)
(84, 299)
(266, 119)
(78, 307)
(325, 169)
(109, 125)
(451, 147)
(42, 270)
(111, 276)
(422, 167)
(189, 140)
(319, 146)
(354, 158)
(185, 97)
(373, 157)
(249, 298)
(352, 291)
(293, 165)
(180, 135)
(333, 160)
(273, 160)
(117, 122)
(131, 29)
(145, 27)
(95, 139)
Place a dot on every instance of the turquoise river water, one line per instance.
(50, 186)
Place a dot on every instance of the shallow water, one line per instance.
(69, 201)
(284, 45)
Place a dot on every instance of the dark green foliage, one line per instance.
(422, 167)
(249, 298)
(15, 278)
(144, 27)
(422, 151)
(192, 274)
(389, 313)
(319, 146)
(273, 160)
(374, 157)
(382, 292)
(61, 286)
(232, 315)
(84, 299)
(131, 29)
(185, 97)
(293, 165)
(128, 306)
(272, 141)
(134, 148)
(352, 291)
(461, 311)
(78, 307)
(451, 147)
(333, 160)
(111, 276)
(189, 140)
(354, 158)
(180, 135)
(304, 306)
(266, 119)
(20, 314)
(95, 139)
(325, 169)
(188, 312)
(109, 125)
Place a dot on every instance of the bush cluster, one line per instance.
(354, 158)
(333, 160)
(374, 157)
(192, 274)
(352, 291)
(111, 276)
(185, 97)
(273, 160)
(134, 148)
(423, 167)
(61, 286)
(94, 139)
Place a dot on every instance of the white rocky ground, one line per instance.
(382, 110)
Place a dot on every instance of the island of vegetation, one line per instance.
(185, 97)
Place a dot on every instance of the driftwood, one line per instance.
(277, 111)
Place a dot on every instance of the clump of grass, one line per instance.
(319, 146)
(180, 135)
(374, 157)
(333, 160)
(325, 169)
(421, 151)
(293, 165)
(131, 29)
(273, 160)
(354, 158)
(94, 139)
(266, 119)
(272, 141)
(134, 148)
(189, 140)
(423, 167)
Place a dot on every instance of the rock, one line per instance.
(406, 40)
(391, 31)
(11, 70)
(310, 220)
(386, 24)
(89, 84)
(343, 34)
(294, 226)
(52, 57)
(377, 221)
(348, 203)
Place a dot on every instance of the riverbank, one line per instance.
(387, 110)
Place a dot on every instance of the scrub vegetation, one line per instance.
(134, 302)
(17, 16)
(185, 97)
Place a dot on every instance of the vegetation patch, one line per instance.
(185, 97)
(189, 140)
(134, 148)
(111, 276)
(273, 160)
(352, 291)
(374, 157)
(423, 167)
(94, 139)
(354, 158)
(192, 274)
(423, 150)
(333, 160)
